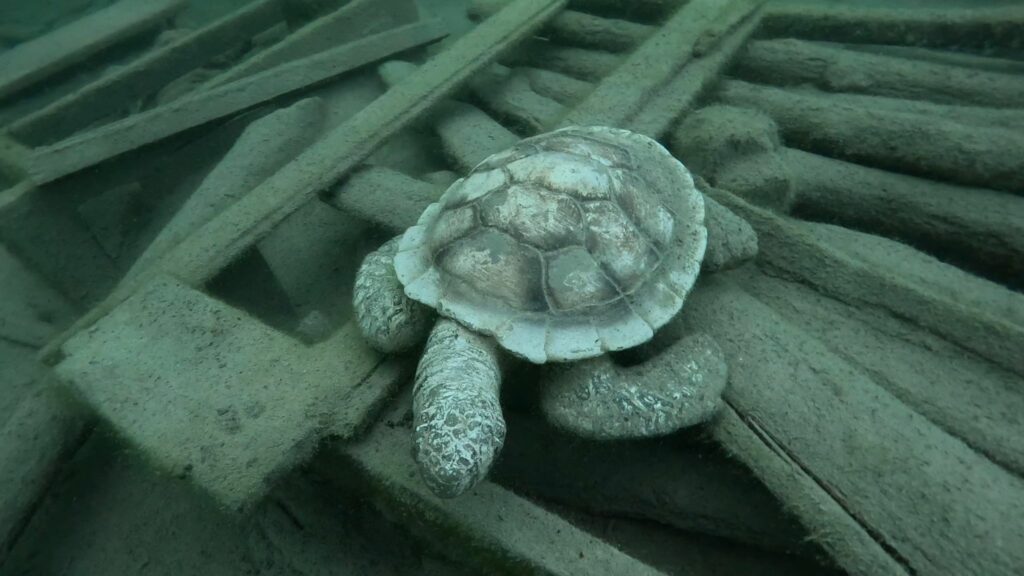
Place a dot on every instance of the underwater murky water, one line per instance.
(304, 287)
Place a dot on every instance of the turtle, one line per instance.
(565, 248)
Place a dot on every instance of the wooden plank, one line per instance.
(35, 60)
(940, 148)
(916, 499)
(650, 66)
(684, 90)
(215, 395)
(52, 162)
(144, 76)
(966, 27)
(355, 20)
(336, 155)
(488, 526)
(833, 68)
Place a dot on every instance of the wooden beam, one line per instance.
(489, 526)
(654, 118)
(975, 27)
(49, 163)
(354, 20)
(837, 69)
(144, 76)
(653, 64)
(28, 63)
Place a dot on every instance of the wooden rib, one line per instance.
(27, 64)
(581, 29)
(837, 69)
(651, 65)
(144, 76)
(52, 162)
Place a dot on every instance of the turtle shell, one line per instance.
(568, 245)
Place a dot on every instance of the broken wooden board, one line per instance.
(49, 163)
(210, 393)
(145, 76)
(653, 63)
(35, 60)
(354, 20)
(488, 526)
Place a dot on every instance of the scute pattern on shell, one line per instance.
(568, 245)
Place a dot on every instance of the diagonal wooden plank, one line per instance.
(27, 64)
(210, 393)
(144, 76)
(354, 20)
(653, 63)
(68, 156)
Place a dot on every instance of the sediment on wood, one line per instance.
(972, 27)
(904, 142)
(837, 69)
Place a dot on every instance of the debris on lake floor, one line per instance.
(186, 193)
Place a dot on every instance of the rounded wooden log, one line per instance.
(968, 27)
(904, 142)
(687, 486)
(579, 63)
(977, 229)
(508, 94)
(940, 56)
(836, 69)
(575, 28)
(563, 89)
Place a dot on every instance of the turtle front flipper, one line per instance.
(680, 387)
(457, 420)
(388, 319)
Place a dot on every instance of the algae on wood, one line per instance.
(35, 60)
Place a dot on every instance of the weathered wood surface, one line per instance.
(49, 163)
(651, 65)
(673, 100)
(146, 75)
(837, 69)
(45, 429)
(488, 526)
(351, 22)
(37, 59)
(977, 229)
(940, 148)
(266, 144)
(966, 27)
(883, 488)
(336, 155)
(576, 28)
(183, 407)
